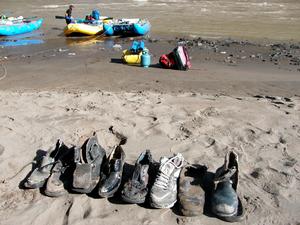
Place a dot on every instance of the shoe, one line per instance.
(112, 173)
(40, 174)
(225, 203)
(136, 189)
(61, 173)
(191, 194)
(88, 161)
(163, 193)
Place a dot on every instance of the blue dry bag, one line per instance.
(96, 14)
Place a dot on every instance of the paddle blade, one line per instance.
(60, 17)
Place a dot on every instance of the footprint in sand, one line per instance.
(69, 204)
(1, 149)
(296, 128)
(252, 203)
(273, 182)
(289, 161)
(87, 211)
(256, 173)
(210, 111)
(249, 135)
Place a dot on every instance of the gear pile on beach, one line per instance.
(88, 170)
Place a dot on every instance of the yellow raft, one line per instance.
(83, 29)
(131, 58)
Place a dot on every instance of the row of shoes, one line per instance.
(87, 169)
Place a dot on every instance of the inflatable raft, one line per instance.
(20, 27)
(83, 29)
(127, 27)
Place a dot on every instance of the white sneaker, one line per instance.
(163, 193)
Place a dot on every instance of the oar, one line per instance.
(60, 17)
(63, 17)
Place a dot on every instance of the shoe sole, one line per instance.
(108, 195)
(55, 194)
(162, 206)
(34, 186)
(132, 201)
(83, 191)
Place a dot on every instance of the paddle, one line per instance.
(63, 17)
(60, 17)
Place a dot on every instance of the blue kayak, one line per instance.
(127, 27)
(20, 28)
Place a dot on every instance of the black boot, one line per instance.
(225, 202)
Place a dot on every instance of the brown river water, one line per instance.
(275, 20)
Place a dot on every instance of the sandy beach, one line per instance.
(240, 94)
(264, 131)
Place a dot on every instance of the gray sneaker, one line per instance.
(163, 193)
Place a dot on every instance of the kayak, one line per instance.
(131, 58)
(127, 27)
(20, 27)
(83, 29)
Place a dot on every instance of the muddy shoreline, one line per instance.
(223, 66)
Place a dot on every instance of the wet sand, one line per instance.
(218, 67)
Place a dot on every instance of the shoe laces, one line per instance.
(167, 171)
(162, 180)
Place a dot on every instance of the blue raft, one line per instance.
(127, 27)
(20, 28)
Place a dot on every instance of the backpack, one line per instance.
(167, 61)
(182, 59)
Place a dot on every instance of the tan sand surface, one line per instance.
(265, 132)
